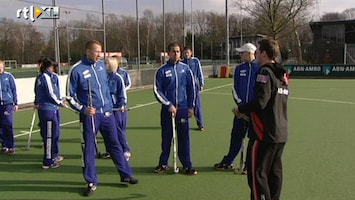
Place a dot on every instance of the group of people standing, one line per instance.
(96, 89)
(260, 92)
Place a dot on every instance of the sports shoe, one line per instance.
(190, 171)
(11, 152)
(201, 128)
(127, 155)
(161, 169)
(52, 166)
(129, 180)
(4, 150)
(105, 155)
(220, 166)
(59, 159)
(90, 189)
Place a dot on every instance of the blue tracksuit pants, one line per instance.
(121, 124)
(50, 132)
(7, 125)
(198, 109)
(183, 137)
(105, 123)
(239, 130)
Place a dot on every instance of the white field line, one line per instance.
(23, 133)
(323, 100)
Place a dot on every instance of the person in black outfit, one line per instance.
(268, 113)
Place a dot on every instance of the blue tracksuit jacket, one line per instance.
(83, 75)
(126, 78)
(47, 93)
(8, 94)
(174, 85)
(196, 69)
(244, 82)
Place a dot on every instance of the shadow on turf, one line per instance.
(57, 186)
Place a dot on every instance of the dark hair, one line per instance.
(188, 48)
(271, 48)
(90, 44)
(174, 44)
(46, 63)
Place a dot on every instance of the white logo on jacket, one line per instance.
(168, 73)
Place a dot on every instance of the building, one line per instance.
(333, 42)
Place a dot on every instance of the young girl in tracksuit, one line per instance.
(47, 101)
(119, 100)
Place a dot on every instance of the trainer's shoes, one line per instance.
(4, 150)
(11, 152)
(220, 166)
(201, 128)
(59, 159)
(127, 155)
(129, 180)
(161, 169)
(105, 156)
(8, 151)
(52, 166)
(90, 189)
(190, 171)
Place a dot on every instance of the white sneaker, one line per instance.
(59, 158)
(127, 155)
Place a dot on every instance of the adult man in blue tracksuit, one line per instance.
(195, 66)
(47, 100)
(8, 105)
(174, 89)
(88, 93)
(243, 92)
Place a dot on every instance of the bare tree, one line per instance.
(349, 13)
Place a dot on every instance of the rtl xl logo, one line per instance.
(43, 12)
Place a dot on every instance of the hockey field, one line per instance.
(318, 160)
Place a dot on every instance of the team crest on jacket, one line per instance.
(262, 78)
(168, 73)
(243, 72)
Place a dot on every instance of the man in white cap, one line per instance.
(243, 92)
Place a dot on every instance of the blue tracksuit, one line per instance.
(196, 69)
(47, 100)
(85, 75)
(126, 78)
(119, 100)
(243, 92)
(174, 86)
(8, 99)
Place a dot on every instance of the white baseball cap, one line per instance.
(248, 47)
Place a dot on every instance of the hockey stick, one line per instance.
(31, 129)
(98, 154)
(176, 168)
(242, 160)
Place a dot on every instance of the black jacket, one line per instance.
(268, 111)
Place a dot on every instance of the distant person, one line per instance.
(47, 102)
(195, 66)
(270, 124)
(243, 92)
(174, 89)
(88, 93)
(119, 100)
(8, 105)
